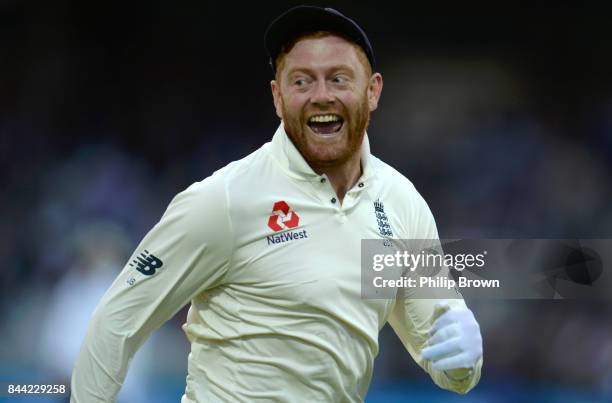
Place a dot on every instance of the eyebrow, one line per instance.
(337, 67)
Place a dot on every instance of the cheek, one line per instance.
(295, 105)
(358, 103)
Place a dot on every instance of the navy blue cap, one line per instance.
(304, 19)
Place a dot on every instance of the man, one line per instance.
(267, 250)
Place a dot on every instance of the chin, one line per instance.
(322, 150)
(327, 154)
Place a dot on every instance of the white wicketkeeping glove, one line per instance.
(455, 341)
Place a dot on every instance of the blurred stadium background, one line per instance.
(502, 117)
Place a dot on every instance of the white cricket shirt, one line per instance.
(270, 261)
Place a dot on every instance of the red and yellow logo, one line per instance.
(282, 217)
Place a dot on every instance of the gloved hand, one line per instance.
(455, 341)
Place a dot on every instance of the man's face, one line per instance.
(324, 97)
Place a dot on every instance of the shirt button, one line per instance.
(322, 180)
(333, 200)
(360, 184)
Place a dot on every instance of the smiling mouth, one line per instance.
(325, 124)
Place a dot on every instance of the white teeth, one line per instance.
(324, 118)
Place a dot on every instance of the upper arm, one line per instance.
(189, 251)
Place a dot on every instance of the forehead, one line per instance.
(321, 53)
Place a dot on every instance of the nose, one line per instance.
(321, 94)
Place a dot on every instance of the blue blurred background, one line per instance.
(502, 118)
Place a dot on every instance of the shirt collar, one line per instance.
(287, 155)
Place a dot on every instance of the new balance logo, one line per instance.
(147, 263)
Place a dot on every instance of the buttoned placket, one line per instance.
(328, 195)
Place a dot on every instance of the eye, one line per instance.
(300, 82)
(340, 79)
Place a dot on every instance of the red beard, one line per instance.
(320, 155)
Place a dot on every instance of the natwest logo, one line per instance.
(282, 217)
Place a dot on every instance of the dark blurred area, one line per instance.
(501, 116)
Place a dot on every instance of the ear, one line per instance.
(278, 101)
(374, 90)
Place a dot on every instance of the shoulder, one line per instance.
(209, 201)
(209, 196)
(215, 187)
(396, 185)
(412, 210)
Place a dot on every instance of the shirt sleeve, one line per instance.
(187, 252)
(414, 307)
